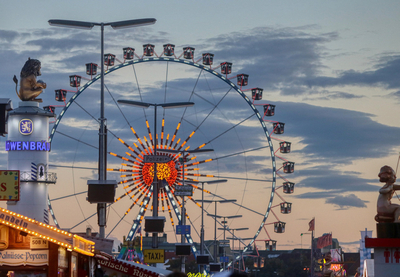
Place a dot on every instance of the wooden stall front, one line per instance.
(32, 248)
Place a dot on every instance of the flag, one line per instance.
(324, 241)
(311, 225)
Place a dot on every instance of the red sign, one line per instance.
(128, 269)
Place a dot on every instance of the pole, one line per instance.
(202, 225)
(241, 260)
(101, 207)
(233, 241)
(155, 181)
(312, 254)
(183, 221)
(224, 241)
(215, 234)
(301, 240)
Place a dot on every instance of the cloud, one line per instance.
(8, 36)
(345, 202)
(332, 197)
(336, 135)
(384, 74)
(323, 177)
(396, 95)
(275, 55)
(288, 60)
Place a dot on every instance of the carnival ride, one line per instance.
(233, 121)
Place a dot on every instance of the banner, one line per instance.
(324, 241)
(311, 225)
(365, 253)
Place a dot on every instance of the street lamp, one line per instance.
(233, 234)
(183, 216)
(102, 167)
(224, 223)
(155, 181)
(239, 250)
(202, 210)
(215, 218)
(301, 235)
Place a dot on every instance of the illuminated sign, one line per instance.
(156, 159)
(38, 243)
(153, 256)
(9, 185)
(25, 127)
(336, 267)
(16, 257)
(27, 145)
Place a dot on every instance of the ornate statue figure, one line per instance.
(29, 87)
(387, 212)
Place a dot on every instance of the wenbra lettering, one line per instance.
(27, 145)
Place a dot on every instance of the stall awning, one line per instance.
(50, 233)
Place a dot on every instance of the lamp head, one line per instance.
(71, 24)
(132, 23)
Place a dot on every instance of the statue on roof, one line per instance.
(29, 87)
(387, 212)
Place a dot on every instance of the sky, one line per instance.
(328, 66)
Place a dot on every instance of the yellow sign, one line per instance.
(154, 256)
(39, 243)
(9, 185)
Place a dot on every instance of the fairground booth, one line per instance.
(32, 248)
(29, 245)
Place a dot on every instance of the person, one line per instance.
(386, 210)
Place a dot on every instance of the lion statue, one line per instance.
(29, 87)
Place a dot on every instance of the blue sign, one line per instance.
(27, 145)
(183, 229)
(25, 127)
(224, 259)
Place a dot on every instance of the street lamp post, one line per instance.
(301, 238)
(202, 210)
(183, 218)
(155, 181)
(301, 257)
(240, 239)
(233, 234)
(215, 222)
(224, 223)
(102, 167)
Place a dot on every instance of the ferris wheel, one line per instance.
(234, 122)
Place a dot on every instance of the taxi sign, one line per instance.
(154, 256)
(156, 159)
